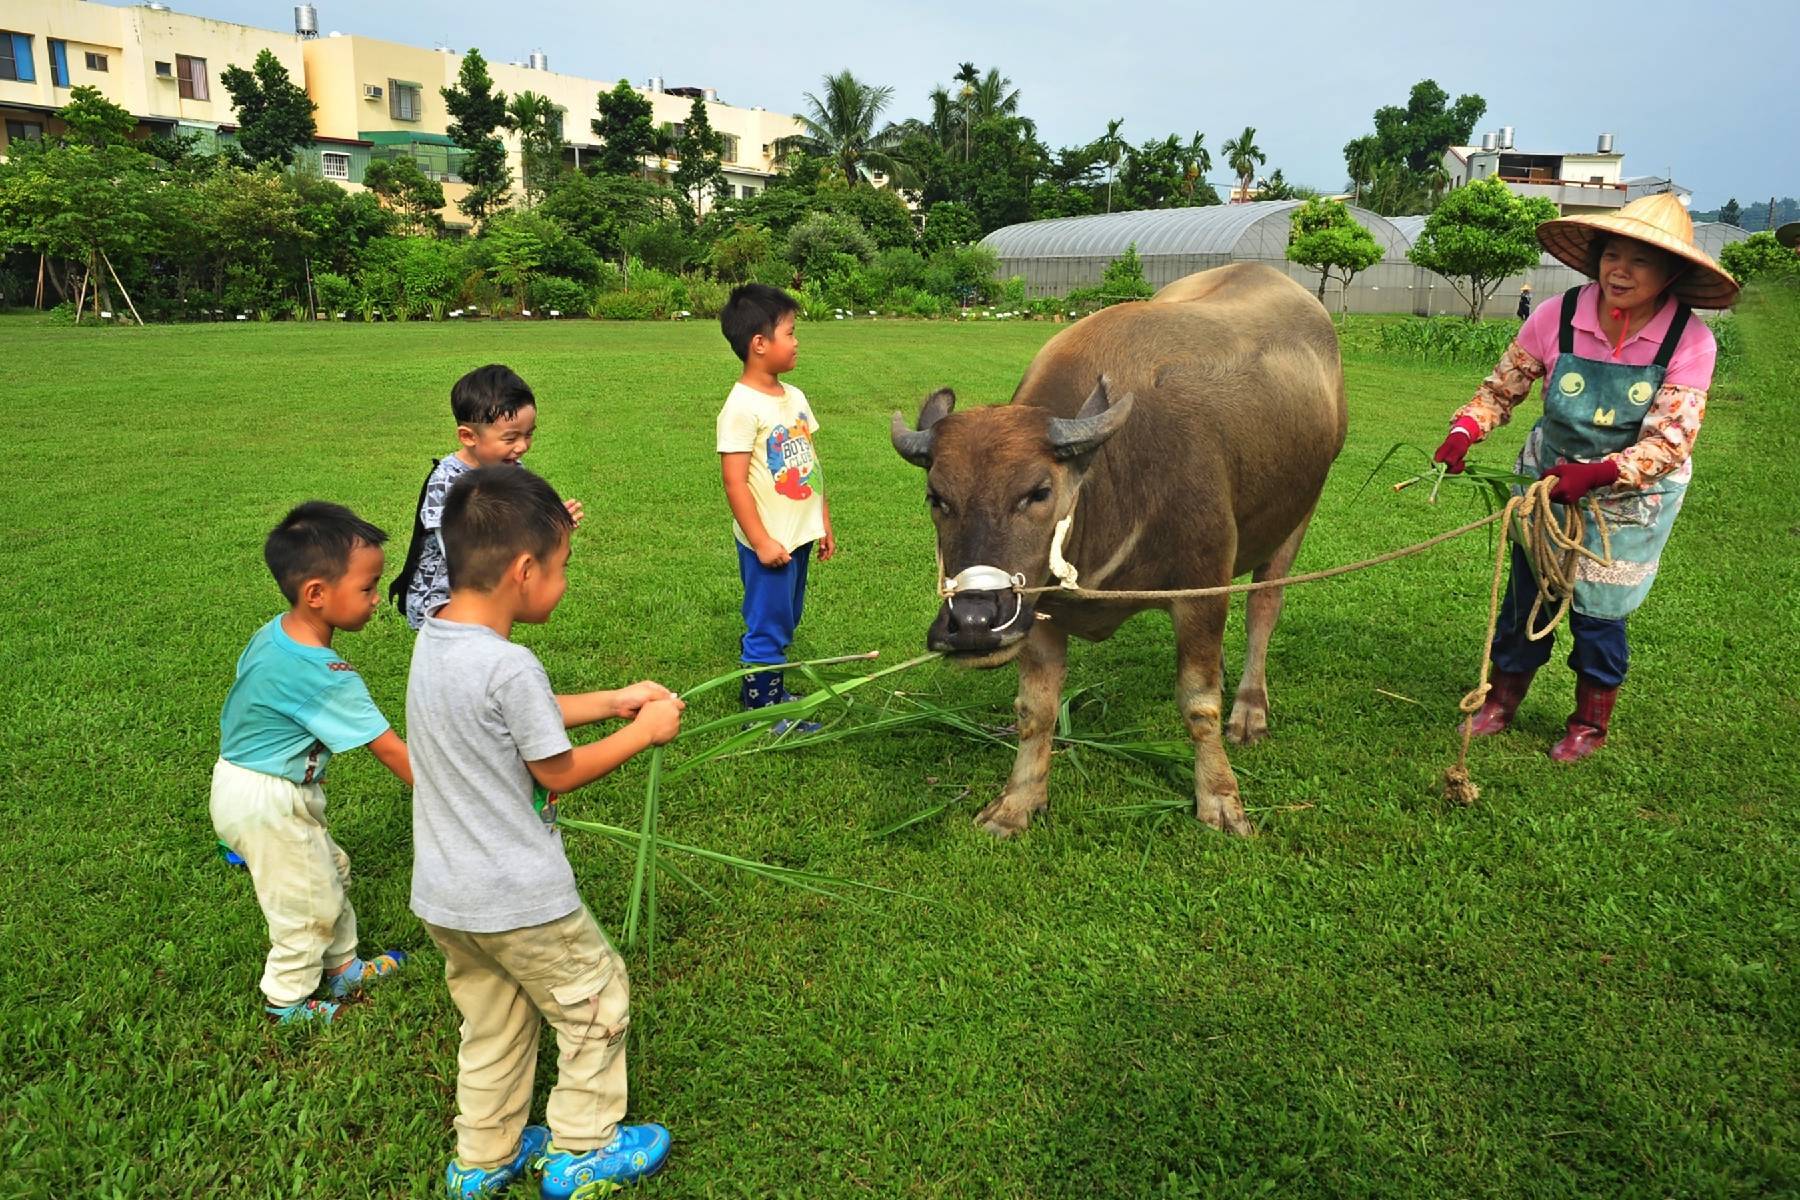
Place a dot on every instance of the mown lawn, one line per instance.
(1583, 986)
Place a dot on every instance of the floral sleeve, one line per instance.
(1667, 437)
(1501, 391)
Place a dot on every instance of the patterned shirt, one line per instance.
(1672, 421)
(430, 588)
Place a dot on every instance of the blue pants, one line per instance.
(773, 600)
(1600, 654)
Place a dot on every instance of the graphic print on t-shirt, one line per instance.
(790, 458)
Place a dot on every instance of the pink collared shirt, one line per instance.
(1672, 421)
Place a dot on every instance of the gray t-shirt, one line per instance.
(478, 708)
(430, 587)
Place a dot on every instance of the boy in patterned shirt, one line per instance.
(772, 484)
(496, 418)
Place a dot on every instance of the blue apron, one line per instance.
(1593, 408)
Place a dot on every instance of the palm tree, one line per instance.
(841, 127)
(1196, 162)
(1243, 156)
(662, 146)
(993, 96)
(1361, 157)
(968, 76)
(538, 121)
(1111, 146)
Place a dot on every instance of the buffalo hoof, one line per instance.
(1224, 813)
(1248, 725)
(1008, 816)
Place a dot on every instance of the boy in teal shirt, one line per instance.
(294, 704)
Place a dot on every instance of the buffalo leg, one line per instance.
(1042, 665)
(1199, 636)
(1250, 711)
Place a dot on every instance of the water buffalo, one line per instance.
(1196, 430)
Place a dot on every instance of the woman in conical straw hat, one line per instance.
(1626, 369)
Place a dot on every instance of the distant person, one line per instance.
(490, 878)
(772, 484)
(1524, 301)
(293, 706)
(1626, 370)
(496, 419)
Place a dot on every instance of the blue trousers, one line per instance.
(1600, 653)
(773, 600)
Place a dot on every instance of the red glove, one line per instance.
(1464, 432)
(1575, 480)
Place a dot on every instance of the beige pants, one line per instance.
(506, 985)
(278, 827)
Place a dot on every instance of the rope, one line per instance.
(1555, 554)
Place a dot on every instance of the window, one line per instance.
(15, 57)
(96, 62)
(59, 63)
(729, 153)
(403, 100)
(745, 191)
(335, 165)
(18, 131)
(190, 73)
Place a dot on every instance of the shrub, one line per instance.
(642, 304)
(548, 292)
(665, 245)
(815, 244)
(706, 298)
(1448, 339)
(899, 268)
(336, 293)
(964, 274)
(735, 256)
(950, 223)
(1124, 278)
(1011, 295)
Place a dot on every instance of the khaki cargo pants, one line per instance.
(278, 827)
(506, 985)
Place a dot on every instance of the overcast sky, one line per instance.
(1704, 91)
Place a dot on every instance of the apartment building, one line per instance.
(376, 99)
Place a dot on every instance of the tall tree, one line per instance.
(1361, 157)
(1111, 147)
(1419, 133)
(275, 115)
(1731, 214)
(478, 111)
(1196, 164)
(538, 120)
(700, 151)
(624, 128)
(1243, 156)
(402, 187)
(841, 127)
(1480, 235)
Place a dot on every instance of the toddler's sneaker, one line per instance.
(637, 1151)
(362, 972)
(461, 1182)
(230, 857)
(322, 1011)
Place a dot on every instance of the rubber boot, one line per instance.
(1506, 689)
(1587, 724)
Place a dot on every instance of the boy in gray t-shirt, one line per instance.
(490, 879)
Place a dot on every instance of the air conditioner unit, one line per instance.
(165, 70)
(371, 91)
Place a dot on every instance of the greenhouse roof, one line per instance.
(1213, 229)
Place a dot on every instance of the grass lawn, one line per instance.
(1583, 986)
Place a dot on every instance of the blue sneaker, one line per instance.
(355, 978)
(231, 857)
(322, 1011)
(461, 1182)
(636, 1152)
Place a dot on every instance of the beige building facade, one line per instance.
(375, 99)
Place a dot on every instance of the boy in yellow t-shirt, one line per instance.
(772, 483)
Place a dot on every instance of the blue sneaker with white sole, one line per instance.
(637, 1151)
(356, 977)
(462, 1182)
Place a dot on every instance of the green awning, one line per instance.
(403, 137)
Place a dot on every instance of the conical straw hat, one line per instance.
(1789, 234)
(1658, 221)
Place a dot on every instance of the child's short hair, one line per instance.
(488, 394)
(314, 541)
(752, 309)
(494, 514)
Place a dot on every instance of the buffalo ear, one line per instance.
(1100, 417)
(914, 445)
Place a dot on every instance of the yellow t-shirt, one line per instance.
(776, 431)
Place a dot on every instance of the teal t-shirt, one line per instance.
(293, 706)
